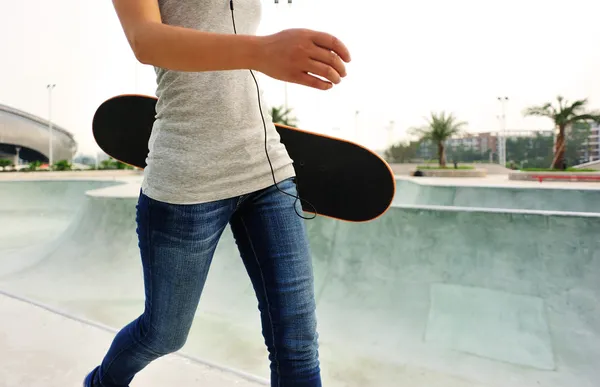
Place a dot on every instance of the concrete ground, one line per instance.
(39, 348)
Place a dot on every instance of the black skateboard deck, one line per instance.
(338, 179)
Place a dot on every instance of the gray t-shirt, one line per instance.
(208, 140)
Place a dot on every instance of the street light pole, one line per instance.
(50, 87)
(502, 139)
(391, 133)
(356, 113)
(17, 155)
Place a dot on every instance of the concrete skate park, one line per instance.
(480, 282)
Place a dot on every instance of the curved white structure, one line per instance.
(28, 136)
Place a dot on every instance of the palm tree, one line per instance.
(280, 115)
(563, 117)
(440, 127)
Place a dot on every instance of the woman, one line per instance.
(210, 166)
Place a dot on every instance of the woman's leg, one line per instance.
(177, 243)
(274, 247)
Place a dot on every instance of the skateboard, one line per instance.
(335, 178)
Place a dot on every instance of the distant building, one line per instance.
(591, 149)
(477, 142)
(25, 138)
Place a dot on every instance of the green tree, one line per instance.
(519, 150)
(5, 163)
(111, 163)
(440, 128)
(564, 116)
(62, 165)
(464, 154)
(34, 165)
(402, 152)
(540, 153)
(108, 164)
(280, 115)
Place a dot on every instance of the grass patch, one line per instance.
(557, 170)
(447, 167)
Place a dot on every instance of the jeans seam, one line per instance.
(262, 277)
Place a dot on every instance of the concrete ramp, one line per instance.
(589, 165)
(33, 212)
(422, 297)
(507, 197)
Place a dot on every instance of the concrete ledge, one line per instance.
(452, 172)
(128, 190)
(589, 165)
(555, 176)
(108, 174)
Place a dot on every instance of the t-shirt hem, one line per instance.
(236, 190)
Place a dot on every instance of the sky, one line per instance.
(409, 58)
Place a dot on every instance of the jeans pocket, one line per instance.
(289, 183)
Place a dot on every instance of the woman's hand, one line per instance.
(300, 55)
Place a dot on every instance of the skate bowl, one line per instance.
(34, 212)
(427, 295)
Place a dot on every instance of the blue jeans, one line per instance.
(177, 243)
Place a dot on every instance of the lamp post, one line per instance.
(391, 133)
(17, 156)
(50, 87)
(356, 113)
(502, 138)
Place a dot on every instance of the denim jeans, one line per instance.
(177, 243)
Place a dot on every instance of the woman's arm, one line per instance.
(288, 56)
(178, 48)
